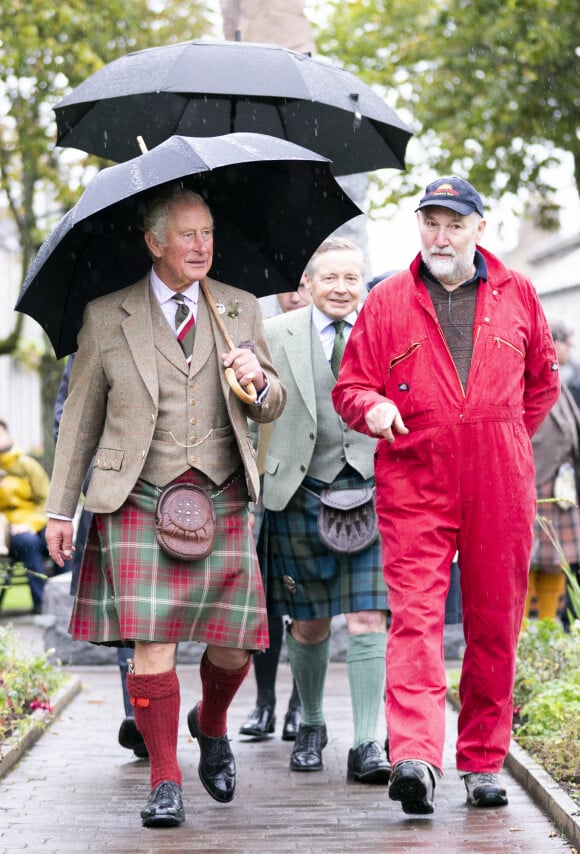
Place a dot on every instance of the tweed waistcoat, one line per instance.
(336, 444)
(193, 429)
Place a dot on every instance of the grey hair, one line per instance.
(560, 330)
(332, 244)
(158, 208)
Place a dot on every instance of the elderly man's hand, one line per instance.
(246, 367)
(385, 420)
(59, 538)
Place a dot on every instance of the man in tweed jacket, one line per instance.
(311, 448)
(150, 417)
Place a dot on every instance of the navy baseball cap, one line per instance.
(454, 193)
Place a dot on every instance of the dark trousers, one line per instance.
(30, 549)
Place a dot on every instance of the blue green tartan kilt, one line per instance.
(302, 577)
(131, 590)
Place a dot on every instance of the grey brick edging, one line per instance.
(549, 796)
(12, 750)
(546, 792)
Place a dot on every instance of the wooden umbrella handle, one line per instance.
(249, 393)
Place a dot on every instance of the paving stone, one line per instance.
(77, 790)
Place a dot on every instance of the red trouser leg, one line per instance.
(418, 533)
(494, 555)
(416, 682)
(476, 493)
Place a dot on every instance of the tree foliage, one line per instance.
(46, 48)
(492, 86)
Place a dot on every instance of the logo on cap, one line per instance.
(445, 189)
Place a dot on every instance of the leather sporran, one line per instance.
(347, 520)
(185, 522)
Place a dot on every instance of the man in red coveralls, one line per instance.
(451, 363)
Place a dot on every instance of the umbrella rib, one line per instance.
(183, 111)
(281, 120)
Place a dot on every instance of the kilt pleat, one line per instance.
(302, 577)
(131, 590)
(566, 526)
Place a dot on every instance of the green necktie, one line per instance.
(338, 346)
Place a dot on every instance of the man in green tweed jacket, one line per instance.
(311, 449)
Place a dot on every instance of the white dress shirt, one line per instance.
(168, 305)
(327, 332)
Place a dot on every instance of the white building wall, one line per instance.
(19, 385)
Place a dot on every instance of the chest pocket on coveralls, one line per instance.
(505, 361)
(409, 381)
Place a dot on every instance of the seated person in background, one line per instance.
(4, 532)
(23, 491)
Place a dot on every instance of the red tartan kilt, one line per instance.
(566, 525)
(129, 589)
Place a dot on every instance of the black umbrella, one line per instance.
(203, 88)
(273, 203)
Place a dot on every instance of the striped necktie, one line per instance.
(338, 346)
(184, 326)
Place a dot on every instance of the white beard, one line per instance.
(451, 269)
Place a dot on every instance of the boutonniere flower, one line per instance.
(235, 311)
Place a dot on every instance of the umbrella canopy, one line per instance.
(273, 203)
(203, 88)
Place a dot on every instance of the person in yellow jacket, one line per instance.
(23, 491)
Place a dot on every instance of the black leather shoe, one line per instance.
(164, 808)
(367, 763)
(413, 784)
(307, 753)
(217, 766)
(291, 723)
(131, 738)
(261, 722)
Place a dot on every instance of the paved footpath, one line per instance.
(77, 790)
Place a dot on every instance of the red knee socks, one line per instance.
(219, 688)
(155, 698)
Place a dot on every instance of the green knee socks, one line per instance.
(366, 668)
(309, 663)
